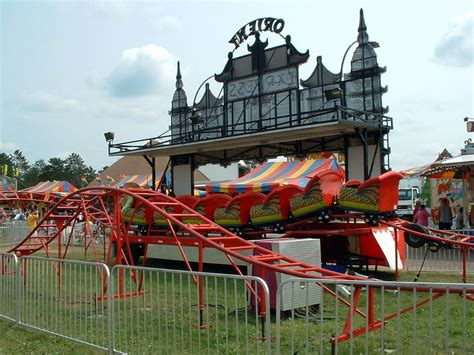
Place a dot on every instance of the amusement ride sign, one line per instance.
(259, 25)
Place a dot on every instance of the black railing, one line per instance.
(304, 119)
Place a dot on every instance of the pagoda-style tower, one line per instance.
(210, 109)
(362, 87)
(180, 124)
(362, 99)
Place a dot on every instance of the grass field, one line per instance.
(18, 340)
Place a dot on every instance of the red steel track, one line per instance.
(204, 231)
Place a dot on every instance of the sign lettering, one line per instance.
(244, 88)
(285, 79)
(259, 25)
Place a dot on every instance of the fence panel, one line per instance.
(167, 313)
(444, 260)
(9, 287)
(378, 317)
(12, 232)
(65, 298)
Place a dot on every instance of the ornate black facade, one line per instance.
(264, 110)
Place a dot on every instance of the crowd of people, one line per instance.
(29, 215)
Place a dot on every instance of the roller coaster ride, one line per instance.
(156, 218)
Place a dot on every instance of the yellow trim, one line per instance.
(359, 206)
(228, 222)
(315, 207)
(273, 218)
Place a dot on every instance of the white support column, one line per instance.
(183, 179)
(356, 162)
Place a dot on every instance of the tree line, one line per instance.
(72, 169)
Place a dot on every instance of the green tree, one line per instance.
(76, 171)
(20, 167)
(6, 161)
(20, 162)
(34, 173)
(55, 170)
(72, 169)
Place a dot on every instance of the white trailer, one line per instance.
(409, 191)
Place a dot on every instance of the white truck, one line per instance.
(408, 192)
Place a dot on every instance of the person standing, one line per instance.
(445, 215)
(31, 220)
(460, 218)
(422, 216)
(3, 215)
(417, 207)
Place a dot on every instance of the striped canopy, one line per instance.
(416, 171)
(199, 193)
(270, 176)
(428, 171)
(59, 188)
(142, 180)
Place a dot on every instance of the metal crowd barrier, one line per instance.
(148, 310)
(165, 312)
(9, 287)
(12, 232)
(65, 298)
(136, 310)
(444, 260)
(404, 318)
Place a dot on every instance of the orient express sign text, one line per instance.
(260, 25)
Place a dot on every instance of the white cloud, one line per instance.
(456, 46)
(8, 147)
(142, 71)
(46, 102)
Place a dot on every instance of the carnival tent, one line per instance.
(430, 170)
(144, 180)
(271, 175)
(416, 171)
(135, 165)
(58, 188)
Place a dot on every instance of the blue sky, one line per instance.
(72, 70)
